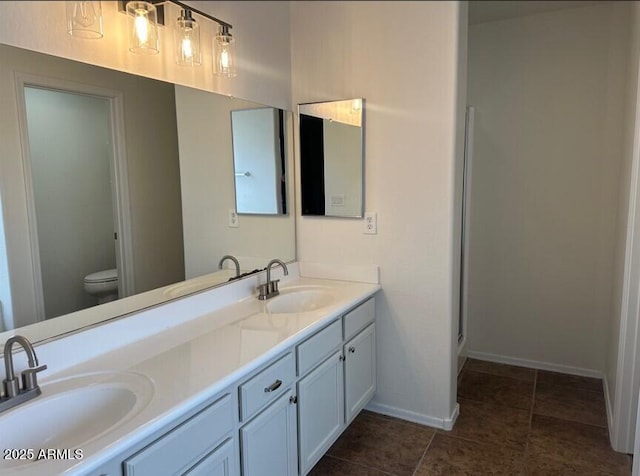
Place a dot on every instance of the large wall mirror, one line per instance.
(118, 191)
(332, 158)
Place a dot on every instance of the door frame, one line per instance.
(119, 179)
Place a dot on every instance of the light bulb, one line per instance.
(224, 53)
(224, 58)
(186, 34)
(141, 23)
(187, 51)
(143, 28)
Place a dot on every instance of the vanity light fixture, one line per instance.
(84, 19)
(187, 40)
(224, 53)
(143, 28)
(144, 18)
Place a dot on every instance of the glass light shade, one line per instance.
(143, 28)
(224, 53)
(84, 19)
(187, 40)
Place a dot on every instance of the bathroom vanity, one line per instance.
(218, 383)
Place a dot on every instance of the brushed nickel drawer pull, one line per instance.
(274, 386)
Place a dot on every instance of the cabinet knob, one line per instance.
(274, 386)
(293, 399)
(341, 357)
(352, 350)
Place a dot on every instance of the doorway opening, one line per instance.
(77, 194)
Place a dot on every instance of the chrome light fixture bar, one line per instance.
(145, 16)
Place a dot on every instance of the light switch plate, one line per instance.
(233, 218)
(370, 223)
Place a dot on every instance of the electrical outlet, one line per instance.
(370, 223)
(233, 218)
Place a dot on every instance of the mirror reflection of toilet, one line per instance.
(103, 285)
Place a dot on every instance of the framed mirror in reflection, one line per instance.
(116, 189)
(259, 160)
(332, 158)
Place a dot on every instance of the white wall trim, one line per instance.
(441, 423)
(625, 399)
(608, 404)
(535, 364)
(466, 220)
(20, 82)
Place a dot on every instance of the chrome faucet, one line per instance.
(270, 288)
(232, 258)
(13, 394)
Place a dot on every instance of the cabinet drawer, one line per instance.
(312, 351)
(184, 445)
(359, 318)
(266, 386)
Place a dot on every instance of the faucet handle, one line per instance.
(273, 288)
(263, 290)
(29, 377)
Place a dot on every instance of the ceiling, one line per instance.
(481, 11)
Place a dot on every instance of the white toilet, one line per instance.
(103, 285)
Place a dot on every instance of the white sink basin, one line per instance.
(300, 299)
(72, 412)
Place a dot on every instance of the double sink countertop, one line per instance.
(173, 357)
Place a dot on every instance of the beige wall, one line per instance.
(549, 96)
(261, 30)
(206, 173)
(153, 171)
(344, 49)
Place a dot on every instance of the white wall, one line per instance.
(153, 170)
(206, 174)
(344, 49)
(71, 155)
(548, 91)
(261, 30)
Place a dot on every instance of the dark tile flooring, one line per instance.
(513, 421)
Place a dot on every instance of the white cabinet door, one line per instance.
(220, 462)
(320, 410)
(269, 443)
(360, 371)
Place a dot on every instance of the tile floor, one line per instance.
(513, 421)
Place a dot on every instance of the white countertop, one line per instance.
(190, 356)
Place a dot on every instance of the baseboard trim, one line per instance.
(441, 423)
(609, 408)
(535, 364)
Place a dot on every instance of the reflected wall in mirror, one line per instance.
(259, 160)
(332, 158)
(116, 185)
